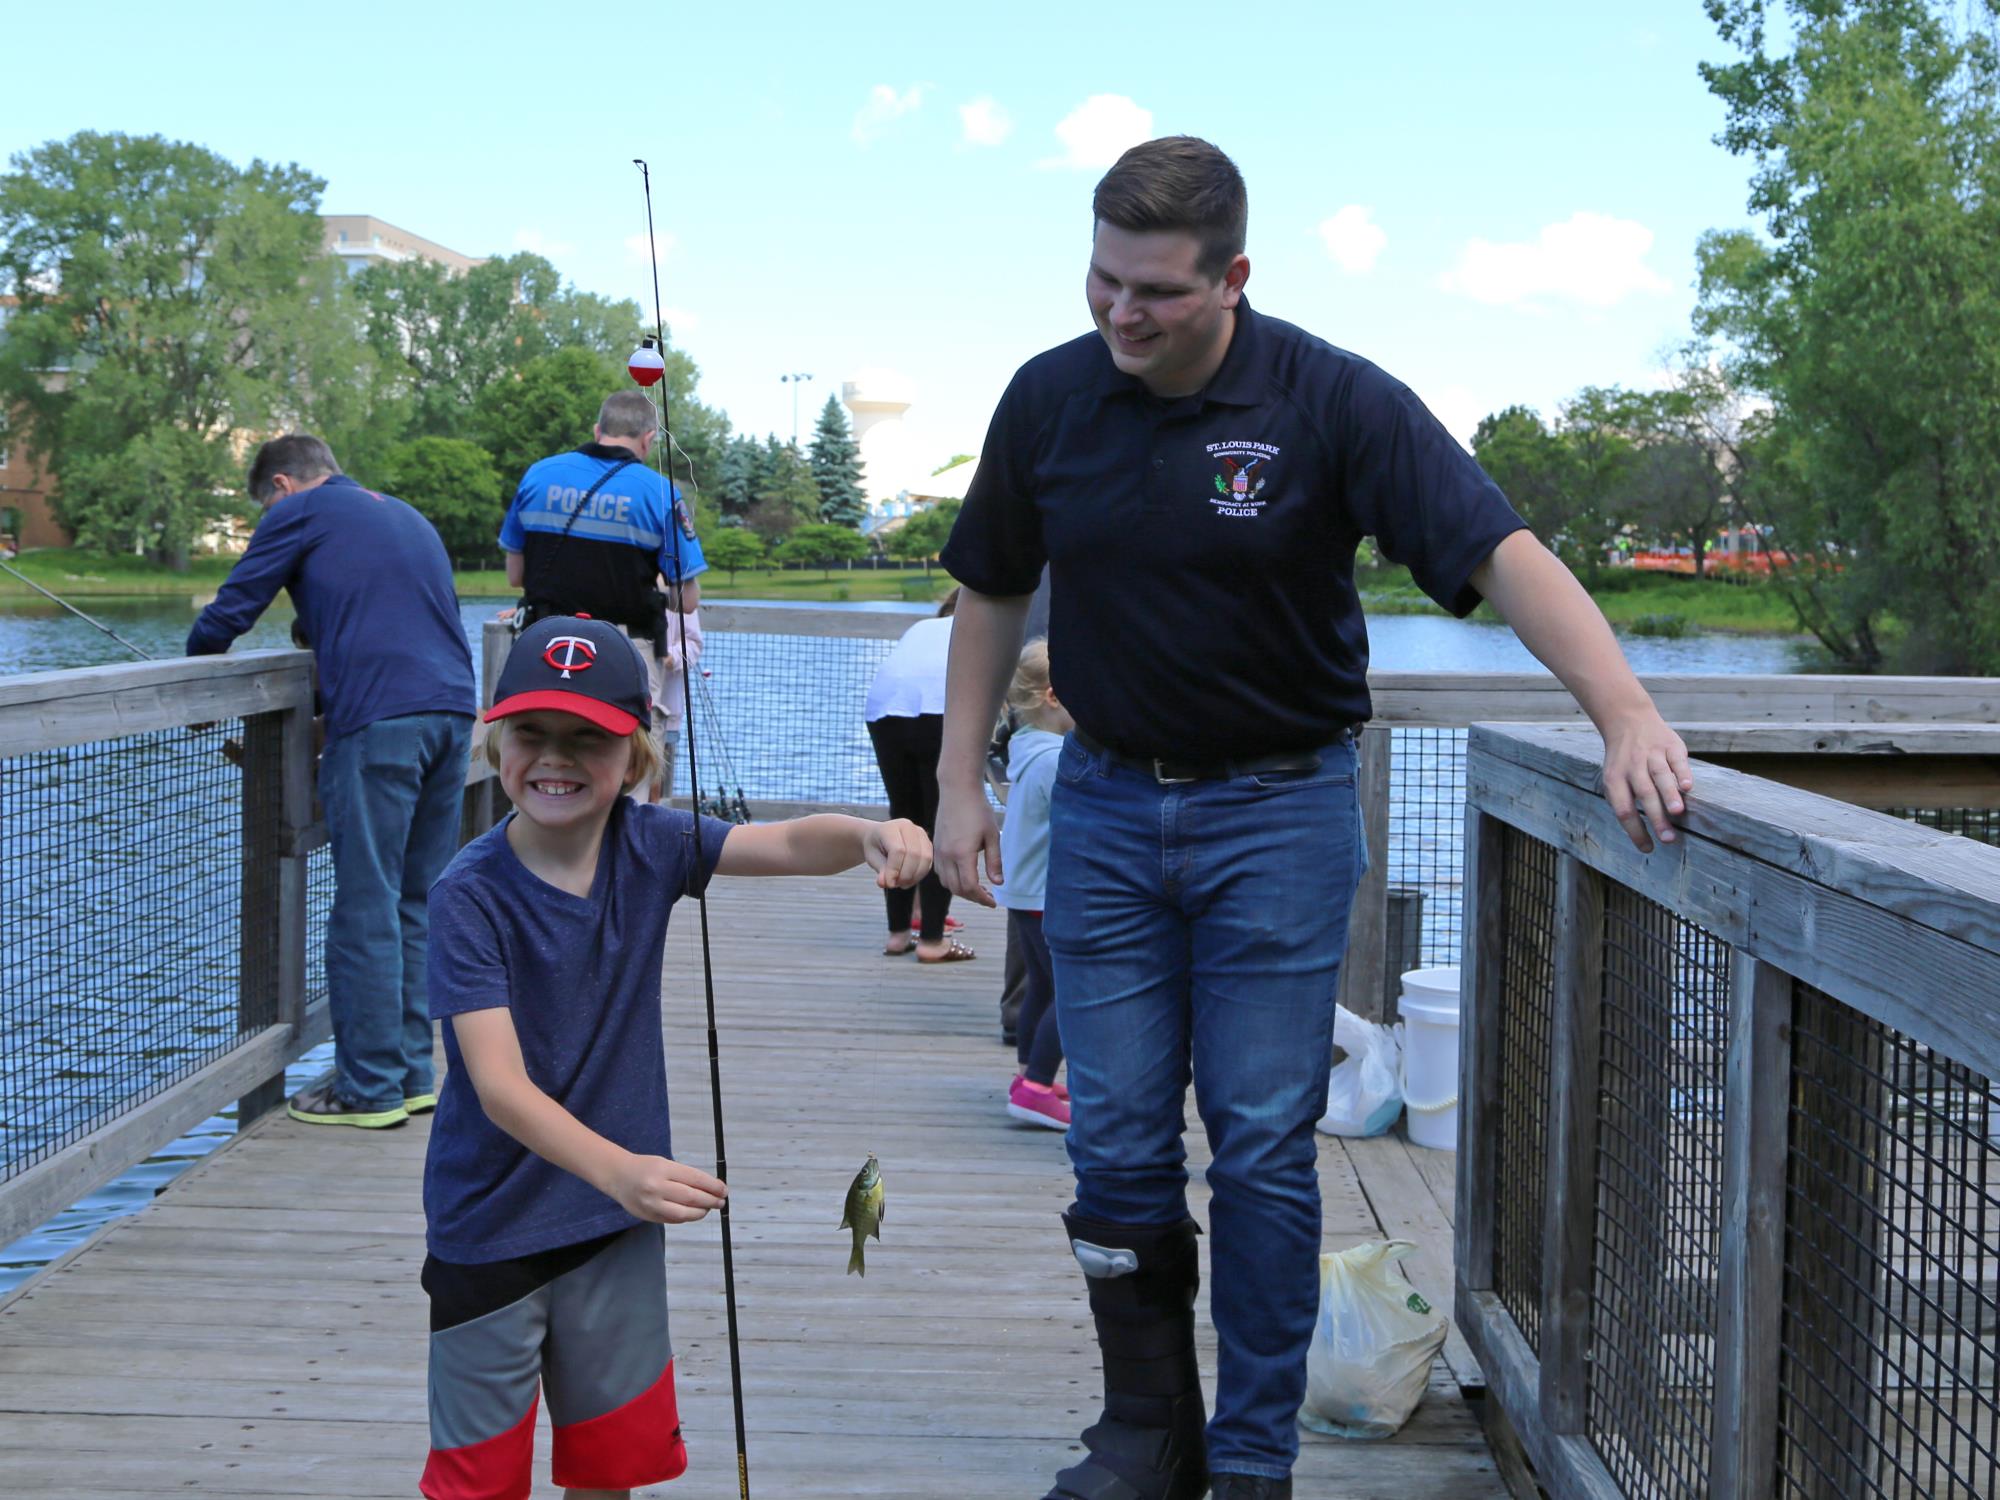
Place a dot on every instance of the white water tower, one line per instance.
(876, 401)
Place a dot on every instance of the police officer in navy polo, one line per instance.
(595, 531)
(1198, 477)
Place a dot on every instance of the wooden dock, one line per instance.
(259, 1331)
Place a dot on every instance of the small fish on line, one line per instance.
(863, 1210)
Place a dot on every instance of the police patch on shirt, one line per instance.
(685, 520)
(1242, 470)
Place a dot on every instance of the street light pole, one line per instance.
(794, 381)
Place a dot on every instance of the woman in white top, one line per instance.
(906, 725)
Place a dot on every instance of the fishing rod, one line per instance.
(655, 368)
(99, 624)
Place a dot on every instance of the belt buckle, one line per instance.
(1164, 779)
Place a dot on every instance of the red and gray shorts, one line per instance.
(587, 1324)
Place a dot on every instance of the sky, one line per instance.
(1497, 204)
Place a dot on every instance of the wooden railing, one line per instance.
(96, 873)
(1729, 1204)
(277, 831)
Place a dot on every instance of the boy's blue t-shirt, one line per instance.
(582, 979)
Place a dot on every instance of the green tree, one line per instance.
(735, 481)
(443, 338)
(1690, 439)
(1870, 315)
(1530, 465)
(548, 405)
(454, 485)
(733, 548)
(1599, 428)
(786, 496)
(821, 544)
(922, 536)
(836, 468)
(163, 292)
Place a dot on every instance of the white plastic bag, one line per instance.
(1372, 1346)
(1365, 1093)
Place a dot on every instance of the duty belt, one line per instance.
(1172, 771)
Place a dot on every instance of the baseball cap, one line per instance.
(575, 665)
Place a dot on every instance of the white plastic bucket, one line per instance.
(1429, 1006)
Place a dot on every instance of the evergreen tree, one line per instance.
(836, 468)
(785, 496)
(736, 479)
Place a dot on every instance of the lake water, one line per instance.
(777, 716)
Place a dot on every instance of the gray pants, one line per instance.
(1013, 986)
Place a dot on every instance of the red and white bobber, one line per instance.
(646, 364)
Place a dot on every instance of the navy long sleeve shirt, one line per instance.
(373, 589)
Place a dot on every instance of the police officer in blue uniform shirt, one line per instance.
(595, 531)
(1198, 476)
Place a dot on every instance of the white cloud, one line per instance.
(536, 243)
(884, 108)
(985, 122)
(1589, 258)
(1098, 131)
(1353, 239)
(635, 247)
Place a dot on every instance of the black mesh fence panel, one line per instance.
(780, 718)
(1981, 823)
(1426, 848)
(1891, 1339)
(120, 912)
(1527, 999)
(1665, 1023)
(319, 905)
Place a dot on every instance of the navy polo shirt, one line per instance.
(373, 589)
(1201, 548)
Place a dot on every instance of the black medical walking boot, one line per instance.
(1251, 1487)
(1148, 1445)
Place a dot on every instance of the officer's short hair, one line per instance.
(298, 454)
(627, 414)
(1178, 183)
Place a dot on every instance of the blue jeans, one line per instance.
(393, 793)
(1197, 932)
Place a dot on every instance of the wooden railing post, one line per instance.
(277, 811)
(1364, 987)
(1570, 1211)
(1750, 1281)
(1483, 955)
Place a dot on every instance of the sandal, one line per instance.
(890, 950)
(954, 952)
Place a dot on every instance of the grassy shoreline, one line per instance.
(1636, 603)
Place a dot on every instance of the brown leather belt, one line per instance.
(1173, 772)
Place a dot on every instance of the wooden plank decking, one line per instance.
(259, 1331)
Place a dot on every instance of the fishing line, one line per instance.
(99, 624)
(701, 896)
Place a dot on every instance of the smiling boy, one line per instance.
(550, 1168)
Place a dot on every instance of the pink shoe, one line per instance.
(1062, 1090)
(1037, 1104)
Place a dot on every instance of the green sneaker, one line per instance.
(421, 1104)
(320, 1105)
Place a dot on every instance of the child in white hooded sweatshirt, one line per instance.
(1034, 1096)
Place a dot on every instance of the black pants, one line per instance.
(1038, 1041)
(907, 750)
